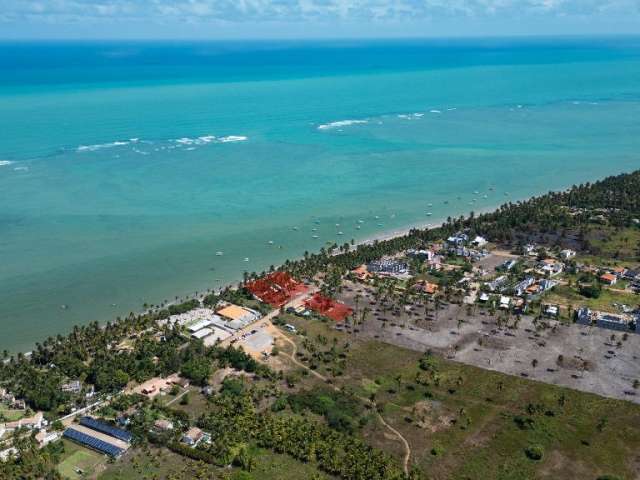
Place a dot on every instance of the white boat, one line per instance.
(315, 236)
(429, 214)
(360, 221)
(340, 233)
(270, 242)
(357, 227)
(430, 205)
(295, 228)
(246, 259)
(380, 225)
(219, 254)
(314, 229)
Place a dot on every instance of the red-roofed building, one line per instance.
(608, 278)
(329, 308)
(276, 289)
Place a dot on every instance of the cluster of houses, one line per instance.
(462, 246)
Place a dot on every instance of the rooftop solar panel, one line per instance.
(92, 442)
(105, 428)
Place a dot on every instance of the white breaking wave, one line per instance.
(4, 163)
(100, 146)
(209, 139)
(435, 111)
(232, 138)
(341, 123)
(412, 116)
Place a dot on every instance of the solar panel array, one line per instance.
(92, 442)
(105, 428)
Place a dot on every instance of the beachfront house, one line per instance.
(457, 240)
(422, 255)
(388, 267)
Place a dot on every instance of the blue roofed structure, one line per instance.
(106, 428)
(92, 442)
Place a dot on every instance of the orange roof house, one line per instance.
(608, 278)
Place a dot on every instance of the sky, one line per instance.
(237, 19)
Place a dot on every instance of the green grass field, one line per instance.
(79, 458)
(565, 295)
(468, 423)
(10, 415)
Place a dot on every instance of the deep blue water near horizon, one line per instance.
(125, 166)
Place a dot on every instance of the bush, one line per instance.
(534, 452)
(590, 291)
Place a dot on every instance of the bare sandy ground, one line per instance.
(591, 360)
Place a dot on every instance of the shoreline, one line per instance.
(368, 240)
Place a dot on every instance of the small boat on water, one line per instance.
(337, 224)
(246, 259)
(377, 217)
(360, 221)
(476, 192)
(380, 225)
(430, 205)
(429, 214)
(315, 236)
(295, 228)
(219, 254)
(357, 227)
(64, 306)
(270, 242)
(340, 233)
(314, 229)
(485, 196)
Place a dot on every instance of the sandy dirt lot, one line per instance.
(574, 356)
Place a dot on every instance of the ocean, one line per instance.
(135, 172)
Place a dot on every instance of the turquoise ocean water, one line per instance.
(125, 167)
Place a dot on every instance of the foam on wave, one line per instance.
(340, 123)
(4, 163)
(101, 146)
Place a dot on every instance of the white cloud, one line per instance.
(300, 10)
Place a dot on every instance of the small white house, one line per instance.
(567, 254)
(505, 302)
